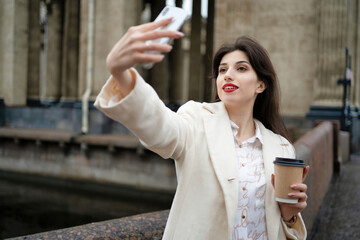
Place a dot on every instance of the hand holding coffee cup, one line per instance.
(292, 190)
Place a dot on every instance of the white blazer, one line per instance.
(199, 138)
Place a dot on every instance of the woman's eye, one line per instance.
(222, 70)
(242, 69)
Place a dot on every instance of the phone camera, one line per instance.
(165, 11)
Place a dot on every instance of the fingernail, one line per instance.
(291, 194)
(179, 34)
(293, 186)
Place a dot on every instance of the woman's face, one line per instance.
(237, 83)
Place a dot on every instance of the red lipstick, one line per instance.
(229, 87)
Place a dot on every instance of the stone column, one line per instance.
(2, 20)
(14, 57)
(195, 79)
(326, 47)
(158, 76)
(50, 86)
(356, 62)
(208, 81)
(70, 53)
(112, 19)
(353, 42)
(336, 32)
(82, 47)
(33, 89)
(176, 65)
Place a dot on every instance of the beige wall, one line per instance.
(305, 39)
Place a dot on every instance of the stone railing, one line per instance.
(318, 147)
(148, 226)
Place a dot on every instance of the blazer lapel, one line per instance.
(223, 157)
(271, 150)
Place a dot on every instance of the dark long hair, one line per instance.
(266, 107)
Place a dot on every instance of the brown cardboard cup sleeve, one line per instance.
(288, 171)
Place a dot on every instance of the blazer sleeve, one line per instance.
(296, 232)
(146, 116)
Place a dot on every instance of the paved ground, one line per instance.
(339, 217)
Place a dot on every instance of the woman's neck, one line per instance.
(245, 121)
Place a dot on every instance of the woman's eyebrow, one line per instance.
(238, 62)
(243, 62)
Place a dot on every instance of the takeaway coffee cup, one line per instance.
(288, 171)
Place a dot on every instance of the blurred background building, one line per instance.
(53, 51)
(52, 66)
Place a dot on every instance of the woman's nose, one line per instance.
(228, 75)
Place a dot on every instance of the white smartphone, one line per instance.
(179, 16)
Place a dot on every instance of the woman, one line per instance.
(223, 155)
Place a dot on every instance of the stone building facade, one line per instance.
(52, 57)
(306, 41)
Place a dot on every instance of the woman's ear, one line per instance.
(261, 87)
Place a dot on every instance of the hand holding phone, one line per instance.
(178, 16)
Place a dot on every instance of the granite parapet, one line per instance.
(142, 226)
